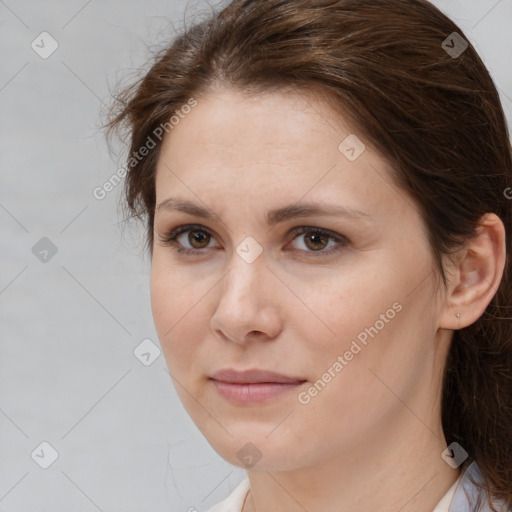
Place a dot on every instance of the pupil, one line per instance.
(196, 237)
(312, 237)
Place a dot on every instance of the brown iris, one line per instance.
(317, 239)
(199, 237)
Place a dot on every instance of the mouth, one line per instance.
(253, 386)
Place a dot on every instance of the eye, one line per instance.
(198, 238)
(318, 239)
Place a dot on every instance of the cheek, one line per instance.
(370, 321)
(382, 337)
(175, 293)
(175, 306)
(344, 306)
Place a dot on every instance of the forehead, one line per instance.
(230, 117)
(229, 129)
(266, 146)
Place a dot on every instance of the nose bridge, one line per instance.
(246, 274)
(244, 304)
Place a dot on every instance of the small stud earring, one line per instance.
(458, 315)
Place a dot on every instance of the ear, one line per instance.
(476, 274)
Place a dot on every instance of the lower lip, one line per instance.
(253, 393)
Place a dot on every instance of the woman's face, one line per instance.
(349, 313)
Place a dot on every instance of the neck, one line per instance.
(394, 473)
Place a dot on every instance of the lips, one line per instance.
(254, 377)
(253, 387)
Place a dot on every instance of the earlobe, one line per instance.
(478, 275)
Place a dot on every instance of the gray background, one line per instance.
(69, 326)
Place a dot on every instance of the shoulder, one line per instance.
(468, 497)
(234, 502)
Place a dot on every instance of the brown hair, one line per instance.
(434, 115)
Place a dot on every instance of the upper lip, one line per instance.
(253, 376)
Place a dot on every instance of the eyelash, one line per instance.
(170, 239)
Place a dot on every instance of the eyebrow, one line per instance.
(274, 216)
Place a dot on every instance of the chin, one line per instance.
(254, 448)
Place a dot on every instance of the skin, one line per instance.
(372, 438)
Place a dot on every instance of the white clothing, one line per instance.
(235, 501)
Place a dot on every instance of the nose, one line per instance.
(248, 303)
